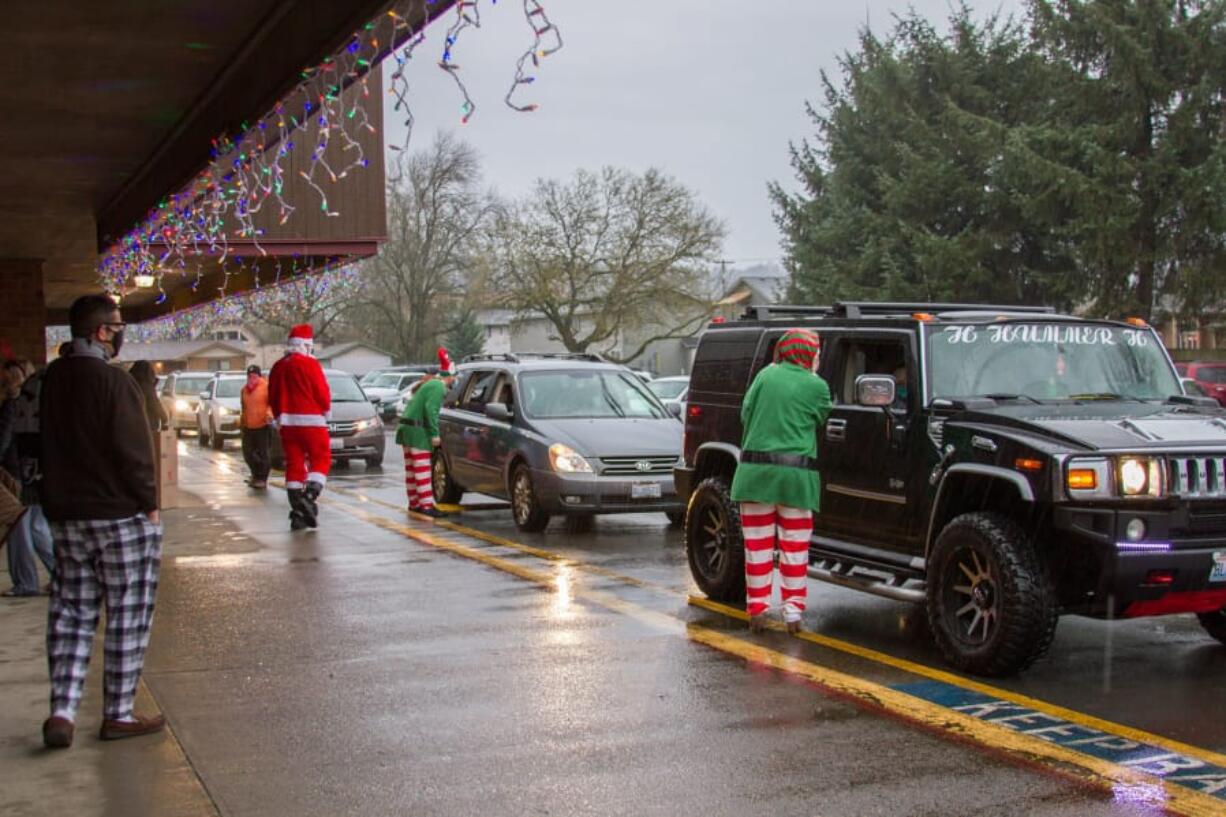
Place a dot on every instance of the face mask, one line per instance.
(116, 343)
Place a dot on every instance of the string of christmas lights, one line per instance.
(248, 172)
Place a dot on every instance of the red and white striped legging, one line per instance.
(763, 526)
(417, 479)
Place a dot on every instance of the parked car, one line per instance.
(390, 410)
(355, 429)
(1193, 388)
(1210, 376)
(672, 392)
(1038, 465)
(180, 395)
(218, 412)
(386, 387)
(557, 434)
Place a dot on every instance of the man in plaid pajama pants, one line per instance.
(99, 494)
(777, 482)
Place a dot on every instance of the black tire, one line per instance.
(374, 462)
(1214, 624)
(446, 489)
(714, 545)
(525, 507)
(217, 441)
(675, 518)
(1005, 618)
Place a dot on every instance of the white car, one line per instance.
(180, 396)
(672, 391)
(385, 388)
(218, 412)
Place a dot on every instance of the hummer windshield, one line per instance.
(1049, 361)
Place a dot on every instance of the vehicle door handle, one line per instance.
(836, 430)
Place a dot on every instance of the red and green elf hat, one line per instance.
(798, 346)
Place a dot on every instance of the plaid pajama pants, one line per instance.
(115, 561)
(791, 528)
(417, 476)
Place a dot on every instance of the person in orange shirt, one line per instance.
(256, 425)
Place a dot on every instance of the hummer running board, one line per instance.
(840, 573)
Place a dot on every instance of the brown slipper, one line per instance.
(757, 624)
(57, 733)
(143, 725)
(793, 627)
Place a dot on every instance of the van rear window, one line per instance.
(723, 361)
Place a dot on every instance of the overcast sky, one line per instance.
(710, 91)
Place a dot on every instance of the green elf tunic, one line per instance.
(419, 422)
(782, 411)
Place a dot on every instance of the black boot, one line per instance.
(297, 521)
(310, 507)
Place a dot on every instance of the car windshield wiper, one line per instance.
(608, 398)
(1100, 395)
(1003, 396)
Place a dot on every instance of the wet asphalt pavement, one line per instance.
(382, 665)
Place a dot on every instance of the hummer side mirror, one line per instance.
(874, 390)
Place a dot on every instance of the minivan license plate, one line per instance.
(336, 443)
(1218, 573)
(645, 490)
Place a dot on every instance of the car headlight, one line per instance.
(1103, 478)
(225, 411)
(361, 425)
(1141, 476)
(181, 405)
(565, 460)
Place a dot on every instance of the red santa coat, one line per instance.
(298, 392)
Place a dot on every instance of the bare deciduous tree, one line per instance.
(436, 213)
(606, 254)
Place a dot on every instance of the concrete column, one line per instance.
(23, 312)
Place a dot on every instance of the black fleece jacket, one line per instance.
(97, 453)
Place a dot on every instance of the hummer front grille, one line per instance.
(1199, 477)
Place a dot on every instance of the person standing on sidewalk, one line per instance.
(255, 421)
(301, 403)
(100, 495)
(31, 535)
(418, 435)
(777, 482)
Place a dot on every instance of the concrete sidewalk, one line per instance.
(142, 776)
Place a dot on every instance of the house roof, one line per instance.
(754, 289)
(181, 349)
(495, 317)
(338, 349)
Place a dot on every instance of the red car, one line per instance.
(1209, 376)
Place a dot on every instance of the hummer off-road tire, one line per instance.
(714, 545)
(991, 606)
(1214, 624)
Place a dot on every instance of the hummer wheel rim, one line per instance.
(976, 598)
(715, 539)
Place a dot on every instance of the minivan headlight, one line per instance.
(565, 460)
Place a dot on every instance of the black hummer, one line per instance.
(1002, 465)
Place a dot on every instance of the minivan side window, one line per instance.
(480, 391)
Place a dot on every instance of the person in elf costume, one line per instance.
(777, 483)
(301, 402)
(418, 435)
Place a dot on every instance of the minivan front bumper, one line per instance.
(592, 493)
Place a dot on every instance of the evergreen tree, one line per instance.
(466, 337)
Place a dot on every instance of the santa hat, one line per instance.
(301, 337)
(798, 346)
(445, 364)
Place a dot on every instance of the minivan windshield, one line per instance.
(345, 389)
(1049, 361)
(587, 394)
(192, 385)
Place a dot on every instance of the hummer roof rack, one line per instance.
(516, 357)
(858, 309)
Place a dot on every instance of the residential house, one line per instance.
(188, 355)
(354, 357)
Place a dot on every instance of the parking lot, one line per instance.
(464, 667)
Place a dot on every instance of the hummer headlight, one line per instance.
(1140, 476)
(1088, 478)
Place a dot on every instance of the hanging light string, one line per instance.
(546, 40)
(326, 110)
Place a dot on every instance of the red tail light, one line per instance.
(1160, 578)
(694, 412)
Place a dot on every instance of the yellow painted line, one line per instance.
(1136, 735)
(1104, 774)
(1174, 798)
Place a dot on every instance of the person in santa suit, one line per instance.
(301, 402)
(777, 483)
(418, 434)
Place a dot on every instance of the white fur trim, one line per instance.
(302, 421)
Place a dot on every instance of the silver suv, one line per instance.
(180, 396)
(218, 412)
(557, 434)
